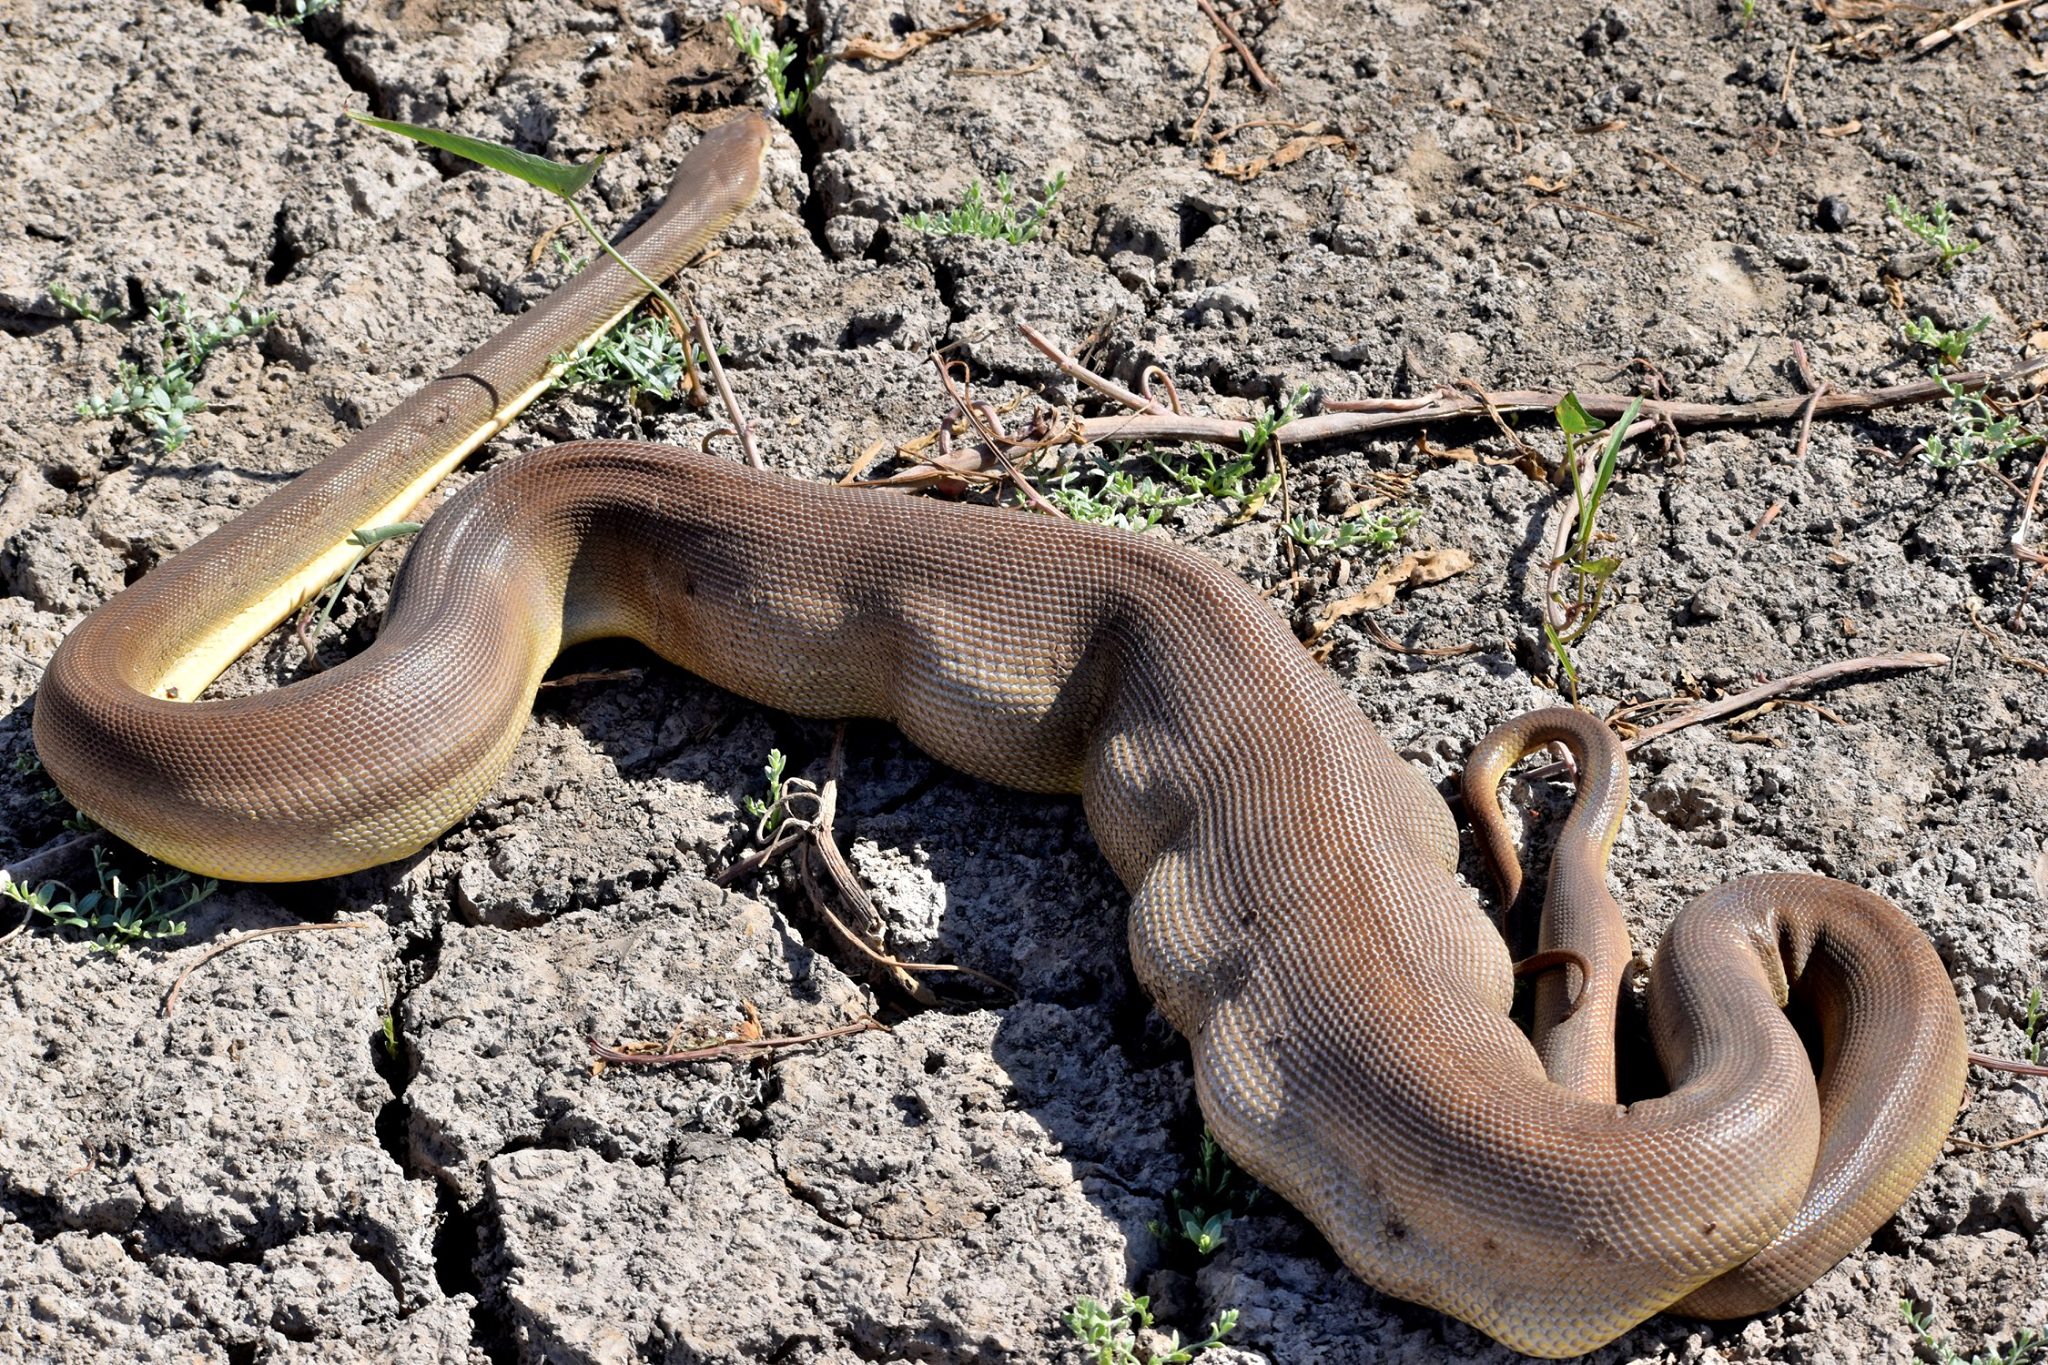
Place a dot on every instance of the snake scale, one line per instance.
(1294, 907)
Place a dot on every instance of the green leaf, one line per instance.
(553, 176)
(367, 536)
(1573, 419)
(1589, 505)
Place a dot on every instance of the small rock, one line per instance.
(1224, 305)
(1710, 603)
(1832, 213)
(1904, 265)
(2026, 1203)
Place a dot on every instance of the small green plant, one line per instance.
(997, 220)
(1578, 603)
(1200, 1213)
(299, 13)
(769, 814)
(161, 403)
(1104, 494)
(79, 306)
(390, 1032)
(26, 763)
(2037, 1028)
(640, 355)
(1747, 9)
(1936, 228)
(115, 913)
(2022, 1349)
(1949, 345)
(1977, 433)
(1269, 423)
(1375, 531)
(1112, 1332)
(776, 63)
(1213, 473)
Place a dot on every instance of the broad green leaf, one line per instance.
(553, 176)
(1573, 419)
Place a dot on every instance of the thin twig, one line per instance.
(1742, 701)
(1949, 32)
(1074, 369)
(1346, 419)
(1340, 419)
(596, 675)
(743, 429)
(1386, 641)
(1991, 1063)
(1998, 646)
(739, 1049)
(1997, 1146)
(1244, 54)
(171, 996)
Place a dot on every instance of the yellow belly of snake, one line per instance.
(1294, 909)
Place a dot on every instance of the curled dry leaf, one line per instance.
(1289, 152)
(1412, 570)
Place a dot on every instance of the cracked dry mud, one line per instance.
(1516, 194)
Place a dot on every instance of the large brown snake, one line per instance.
(1294, 910)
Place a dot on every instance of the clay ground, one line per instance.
(1515, 194)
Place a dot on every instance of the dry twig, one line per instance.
(1949, 32)
(1244, 54)
(870, 50)
(226, 945)
(736, 1050)
(1743, 701)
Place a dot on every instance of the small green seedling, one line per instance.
(77, 305)
(2037, 1027)
(995, 220)
(299, 13)
(390, 1033)
(1111, 1333)
(2022, 1349)
(1105, 495)
(1210, 472)
(1200, 1213)
(1936, 228)
(1949, 345)
(640, 355)
(1579, 605)
(775, 64)
(115, 913)
(1269, 423)
(1977, 432)
(1375, 531)
(161, 403)
(768, 815)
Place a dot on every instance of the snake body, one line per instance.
(1294, 912)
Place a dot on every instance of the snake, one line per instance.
(1295, 907)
